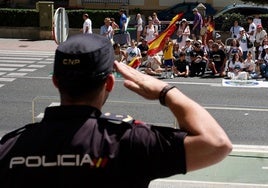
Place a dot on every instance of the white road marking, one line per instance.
(7, 79)
(16, 74)
(7, 69)
(11, 65)
(27, 70)
(36, 66)
(12, 61)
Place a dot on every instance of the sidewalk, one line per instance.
(245, 167)
(27, 45)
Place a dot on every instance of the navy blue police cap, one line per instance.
(91, 55)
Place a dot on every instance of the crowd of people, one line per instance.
(196, 50)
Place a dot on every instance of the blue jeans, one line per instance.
(264, 70)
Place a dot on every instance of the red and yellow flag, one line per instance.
(210, 28)
(134, 63)
(157, 44)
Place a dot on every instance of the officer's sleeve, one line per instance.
(157, 151)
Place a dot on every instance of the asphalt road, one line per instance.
(242, 112)
(26, 89)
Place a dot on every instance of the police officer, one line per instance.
(76, 145)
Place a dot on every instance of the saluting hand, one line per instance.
(142, 84)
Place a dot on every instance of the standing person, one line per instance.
(139, 26)
(150, 31)
(76, 144)
(114, 25)
(243, 42)
(252, 28)
(261, 34)
(107, 30)
(156, 22)
(235, 29)
(257, 19)
(168, 57)
(122, 21)
(197, 25)
(209, 26)
(87, 25)
(183, 32)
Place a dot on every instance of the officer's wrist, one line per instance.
(163, 93)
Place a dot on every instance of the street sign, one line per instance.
(60, 25)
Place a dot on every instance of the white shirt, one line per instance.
(235, 31)
(257, 21)
(260, 36)
(132, 53)
(243, 43)
(252, 27)
(107, 31)
(150, 33)
(87, 23)
(139, 22)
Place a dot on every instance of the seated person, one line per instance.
(181, 67)
(264, 62)
(249, 66)
(120, 55)
(217, 60)
(133, 55)
(198, 60)
(238, 74)
(153, 66)
(143, 46)
(236, 60)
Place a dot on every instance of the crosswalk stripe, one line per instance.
(17, 64)
(16, 74)
(36, 66)
(12, 65)
(45, 62)
(17, 61)
(7, 69)
(32, 53)
(7, 79)
(21, 58)
(27, 70)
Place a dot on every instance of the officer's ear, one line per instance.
(110, 82)
(55, 81)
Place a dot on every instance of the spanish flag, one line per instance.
(210, 28)
(157, 44)
(134, 63)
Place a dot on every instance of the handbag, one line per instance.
(203, 30)
(179, 39)
(249, 43)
